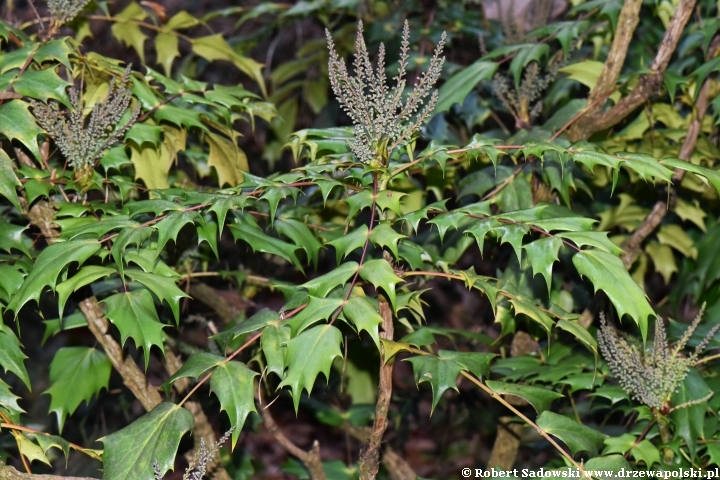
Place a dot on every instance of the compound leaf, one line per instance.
(11, 356)
(380, 274)
(539, 398)
(232, 382)
(441, 373)
(365, 317)
(164, 287)
(575, 435)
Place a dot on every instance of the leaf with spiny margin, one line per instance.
(580, 333)
(346, 244)
(542, 254)
(706, 174)
(440, 372)
(272, 340)
(324, 284)
(301, 235)
(17, 123)
(11, 356)
(413, 218)
(8, 400)
(166, 46)
(196, 364)
(364, 316)
(48, 265)
(170, 226)
(474, 362)
(359, 201)
(134, 314)
(645, 165)
(259, 320)
(317, 309)
(163, 287)
(30, 450)
(11, 237)
(575, 435)
(207, 231)
(385, 236)
(311, 352)
(607, 272)
(8, 179)
(46, 442)
(571, 224)
(380, 274)
(221, 203)
(154, 437)
(232, 382)
(421, 337)
(530, 310)
(43, 84)
(512, 234)
(99, 228)
(663, 259)
(539, 398)
(84, 276)
(275, 193)
(129, 236)
(77, 374)
(598, 240)
(259, 241)
(214, 47)
(480, 229)
(447, 220)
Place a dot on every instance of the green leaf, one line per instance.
(214, 47)
(689, 419)
(621, 444)
(164, 287)
(607, 273)
(593, 239)
(529, 309)
(154, 437)
(364, 316)
(385, 236)
(48, 265)
(11, 237)
(612, 463)
(526, 55)
(324, 284)
(308, 354)
(17, 123)
(474, 362)
(272, 340)
(222, 203)
(84, 276)
(663, 259)
(8, 179)
(539, 398)
(261, 242)
(390, 200)
(587, 72)
(129, 32)
(380, 274)
(457, 87)
(134, 314)
(299, 233)
(43, 84)
(440, 372)
(645, 452)
(575, 435)
(196, 364)
(77, 374)
(346, 244)
(317, 309)
(258, 321)
(8, 400)
(542, 254)
(170, 226)
(232, 382)
(11, 356)
(580, 333)
(129, 236)
(675, 236)
(708, 174)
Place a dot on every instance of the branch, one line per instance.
(9, 473)
(658, 212)
(369, 461)
(132, 376)
(648, 85)
(311, 458)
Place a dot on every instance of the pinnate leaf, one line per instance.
(324, 284)
(130, 452)
(380, 274)
(539, 398)
(364, 316)
(164, 287)
(232, 382)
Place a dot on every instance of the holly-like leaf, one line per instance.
(272, 340)
(689, 414)
(539, 398)
(364, 316)
(8, 179)
(594, 239)
(84, 276)
(154, 437)
(575, 435)
(163, 287)
(170, 226)
(43, 84)
(258, 321)
(542, 254)
(129, 236)
(11, 237)
(611, 463)
(17, 123)
(474, 362)
(317, 309)
(11, 356)
(48, 265)
(232, 382)
(440, 372)
(299, 233)
(196, 364)
(308, 354)
(580, 333)
(8, 400)
(261, 242)
(346, 244)
(166, 46)
(228, 160)
(529, 309)
(214, 47)
(324, 284)
(607, 272)
(645, 452)
(134, 314)
(128, 32)
(77, 374)
(380, 274)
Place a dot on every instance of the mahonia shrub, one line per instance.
(200, 236)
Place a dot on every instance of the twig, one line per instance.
(9, 473)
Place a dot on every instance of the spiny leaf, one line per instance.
(8, 179)
(260, 242)
(607, 272)
(129, 236)
(365, 317)
(324, 284)
(232, 382)
(43, 84)
(258, 321)
(272, 340)
(214, 47)
(474, 362)
(48, 265)
(154, 437)
(542, 254)
(385, 236)
(134, 314)
(164, 287)
(170, 226)
(539, 398)
(380, 274)
(196, 364)
(593, 239)
(575, 435)
(441, 373)
(11, 356)
(77, 374)
(299, 233)
(84, 276)
(346, 244)
(308, 354)
(457, 87)
(11, 237)
(529, 309)
(275, 193)
(17, 123)
(580, 333)
(317, 309)
(129, 32)
(512, 234)
(8, 400)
